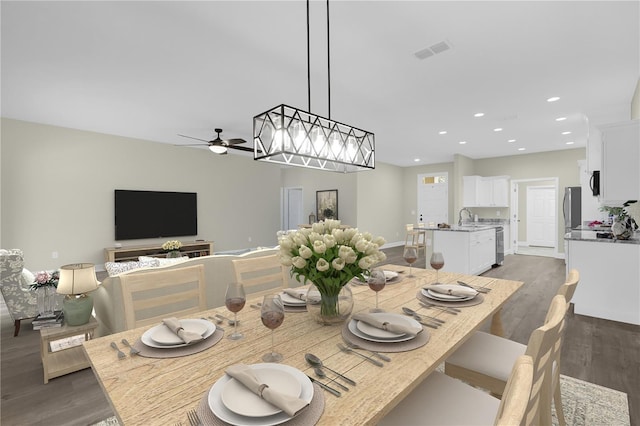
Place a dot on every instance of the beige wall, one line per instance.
(635, 103)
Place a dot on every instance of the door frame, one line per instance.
(513, 217)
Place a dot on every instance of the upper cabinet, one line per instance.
(594, 149)
(620, 176)
(491, 191)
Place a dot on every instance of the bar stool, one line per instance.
(416, 238)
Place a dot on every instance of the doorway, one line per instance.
(534, 216)
(433, 198)
(292, 217)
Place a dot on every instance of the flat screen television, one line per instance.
(155, 214)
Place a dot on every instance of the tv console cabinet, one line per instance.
(131, 253)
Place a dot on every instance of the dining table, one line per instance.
(146, 391)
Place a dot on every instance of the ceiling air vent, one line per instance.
(440, 47)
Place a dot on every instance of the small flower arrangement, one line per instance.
(46, 279)
(172, 245)
(330, 256)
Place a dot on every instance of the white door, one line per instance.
(514, 219)
(433, 198)
(292, 208)
(541, 216)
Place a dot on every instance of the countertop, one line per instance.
(468, 227)
(591, 237)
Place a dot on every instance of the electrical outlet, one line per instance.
(249, 239)
(54, 254)
(497, 212)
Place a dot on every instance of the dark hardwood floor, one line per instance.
(598, 351)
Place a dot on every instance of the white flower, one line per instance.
(318, 228)
(329, 241)
(345, 251)
(319, 246)
(322, 265)
(299, 262)
(314, 236)
(371, 249)
(305, 252)
(362, 245)
(286, 243)
(366, 262)
(338, 264)
(379, 241)
(367, 236)
(338, 234)
(299, 239)
(286, 260)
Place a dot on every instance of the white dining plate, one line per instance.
(292, 301)
(164, 336)
(147, 340)
(353, 328)
(444, 297)
(239, 399)
(372, 331)
(223, 413)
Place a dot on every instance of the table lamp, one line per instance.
(75, 281)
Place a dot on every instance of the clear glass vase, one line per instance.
(46, 297)
(330, 308)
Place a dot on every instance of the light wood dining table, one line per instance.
(146, 391)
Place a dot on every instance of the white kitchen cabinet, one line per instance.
(490, 191)
(620, 175)
(466, 252)
(594, 150)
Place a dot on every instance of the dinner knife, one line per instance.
(448, 309)
(478, 289)
(325, 387)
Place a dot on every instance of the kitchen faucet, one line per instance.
(464, 209)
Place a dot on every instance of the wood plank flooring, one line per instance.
(598, 351)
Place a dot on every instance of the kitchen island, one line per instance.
(609, 286)
(467, 249)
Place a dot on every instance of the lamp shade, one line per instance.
(77, 278)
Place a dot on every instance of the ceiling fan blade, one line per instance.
(191, 137)
(192, 144)
(235, 141)
(242, 148)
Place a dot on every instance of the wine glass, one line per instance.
(436, 262)
(410, 256)
(235, 299)
(377, 280)
(272, 315)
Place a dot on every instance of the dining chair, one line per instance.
(442, 400)
(261, 275)
(483, 359)
(415, 238)
(149, 298)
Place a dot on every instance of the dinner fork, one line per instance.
(121, 354)
(194, 419)
(343, 348)
(132, 350)
(379, 355)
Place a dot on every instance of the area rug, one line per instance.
(584, 404)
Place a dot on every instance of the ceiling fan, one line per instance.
(219, 145)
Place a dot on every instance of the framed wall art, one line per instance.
(327, 204)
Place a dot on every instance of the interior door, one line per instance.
(292, 215)
(433, 198)
(541, 216)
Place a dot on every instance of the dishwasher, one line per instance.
(499, 245)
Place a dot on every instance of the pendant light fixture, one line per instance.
(294, 137)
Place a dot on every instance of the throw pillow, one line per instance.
(164, 262)
(115, 268)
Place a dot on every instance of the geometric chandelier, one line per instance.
(294, 137)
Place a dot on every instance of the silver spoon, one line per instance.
(320, 373)
(314, 361)
(418, 318)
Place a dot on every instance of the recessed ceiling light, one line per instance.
(566, 133)
(511, 140)
(570, 143)
(521, 149)
(497, 129)
(442, 132)
(553, 99)
(462, 142)
(416, 159)
(561, 118)
(478, 114)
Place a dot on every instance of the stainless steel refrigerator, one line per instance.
(571, 207)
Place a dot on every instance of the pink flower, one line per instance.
(42, 277)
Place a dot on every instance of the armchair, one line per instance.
(21, 301)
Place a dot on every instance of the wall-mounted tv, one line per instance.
(155, 214)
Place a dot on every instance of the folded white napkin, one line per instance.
(452, 289)
(187, 336)
(399, 328)
(296, 294)
(291, 405)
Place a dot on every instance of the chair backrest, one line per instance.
(544, 344)
(261, 275)
(150, 297)
(409, 227)
(517, 393)
(569, 287)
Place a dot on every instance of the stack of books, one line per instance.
(48, 321)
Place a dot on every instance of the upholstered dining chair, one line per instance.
(149, 298)
(482, 360)
(261, 275)
(441, 400)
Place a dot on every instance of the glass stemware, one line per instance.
(410, 256)
(272, 316)
(376, 280)
(235, 299)
(436, 262)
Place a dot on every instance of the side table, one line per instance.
(65, 360)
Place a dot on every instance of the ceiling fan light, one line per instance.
(218, 149)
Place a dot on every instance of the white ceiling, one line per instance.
(152, 70)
